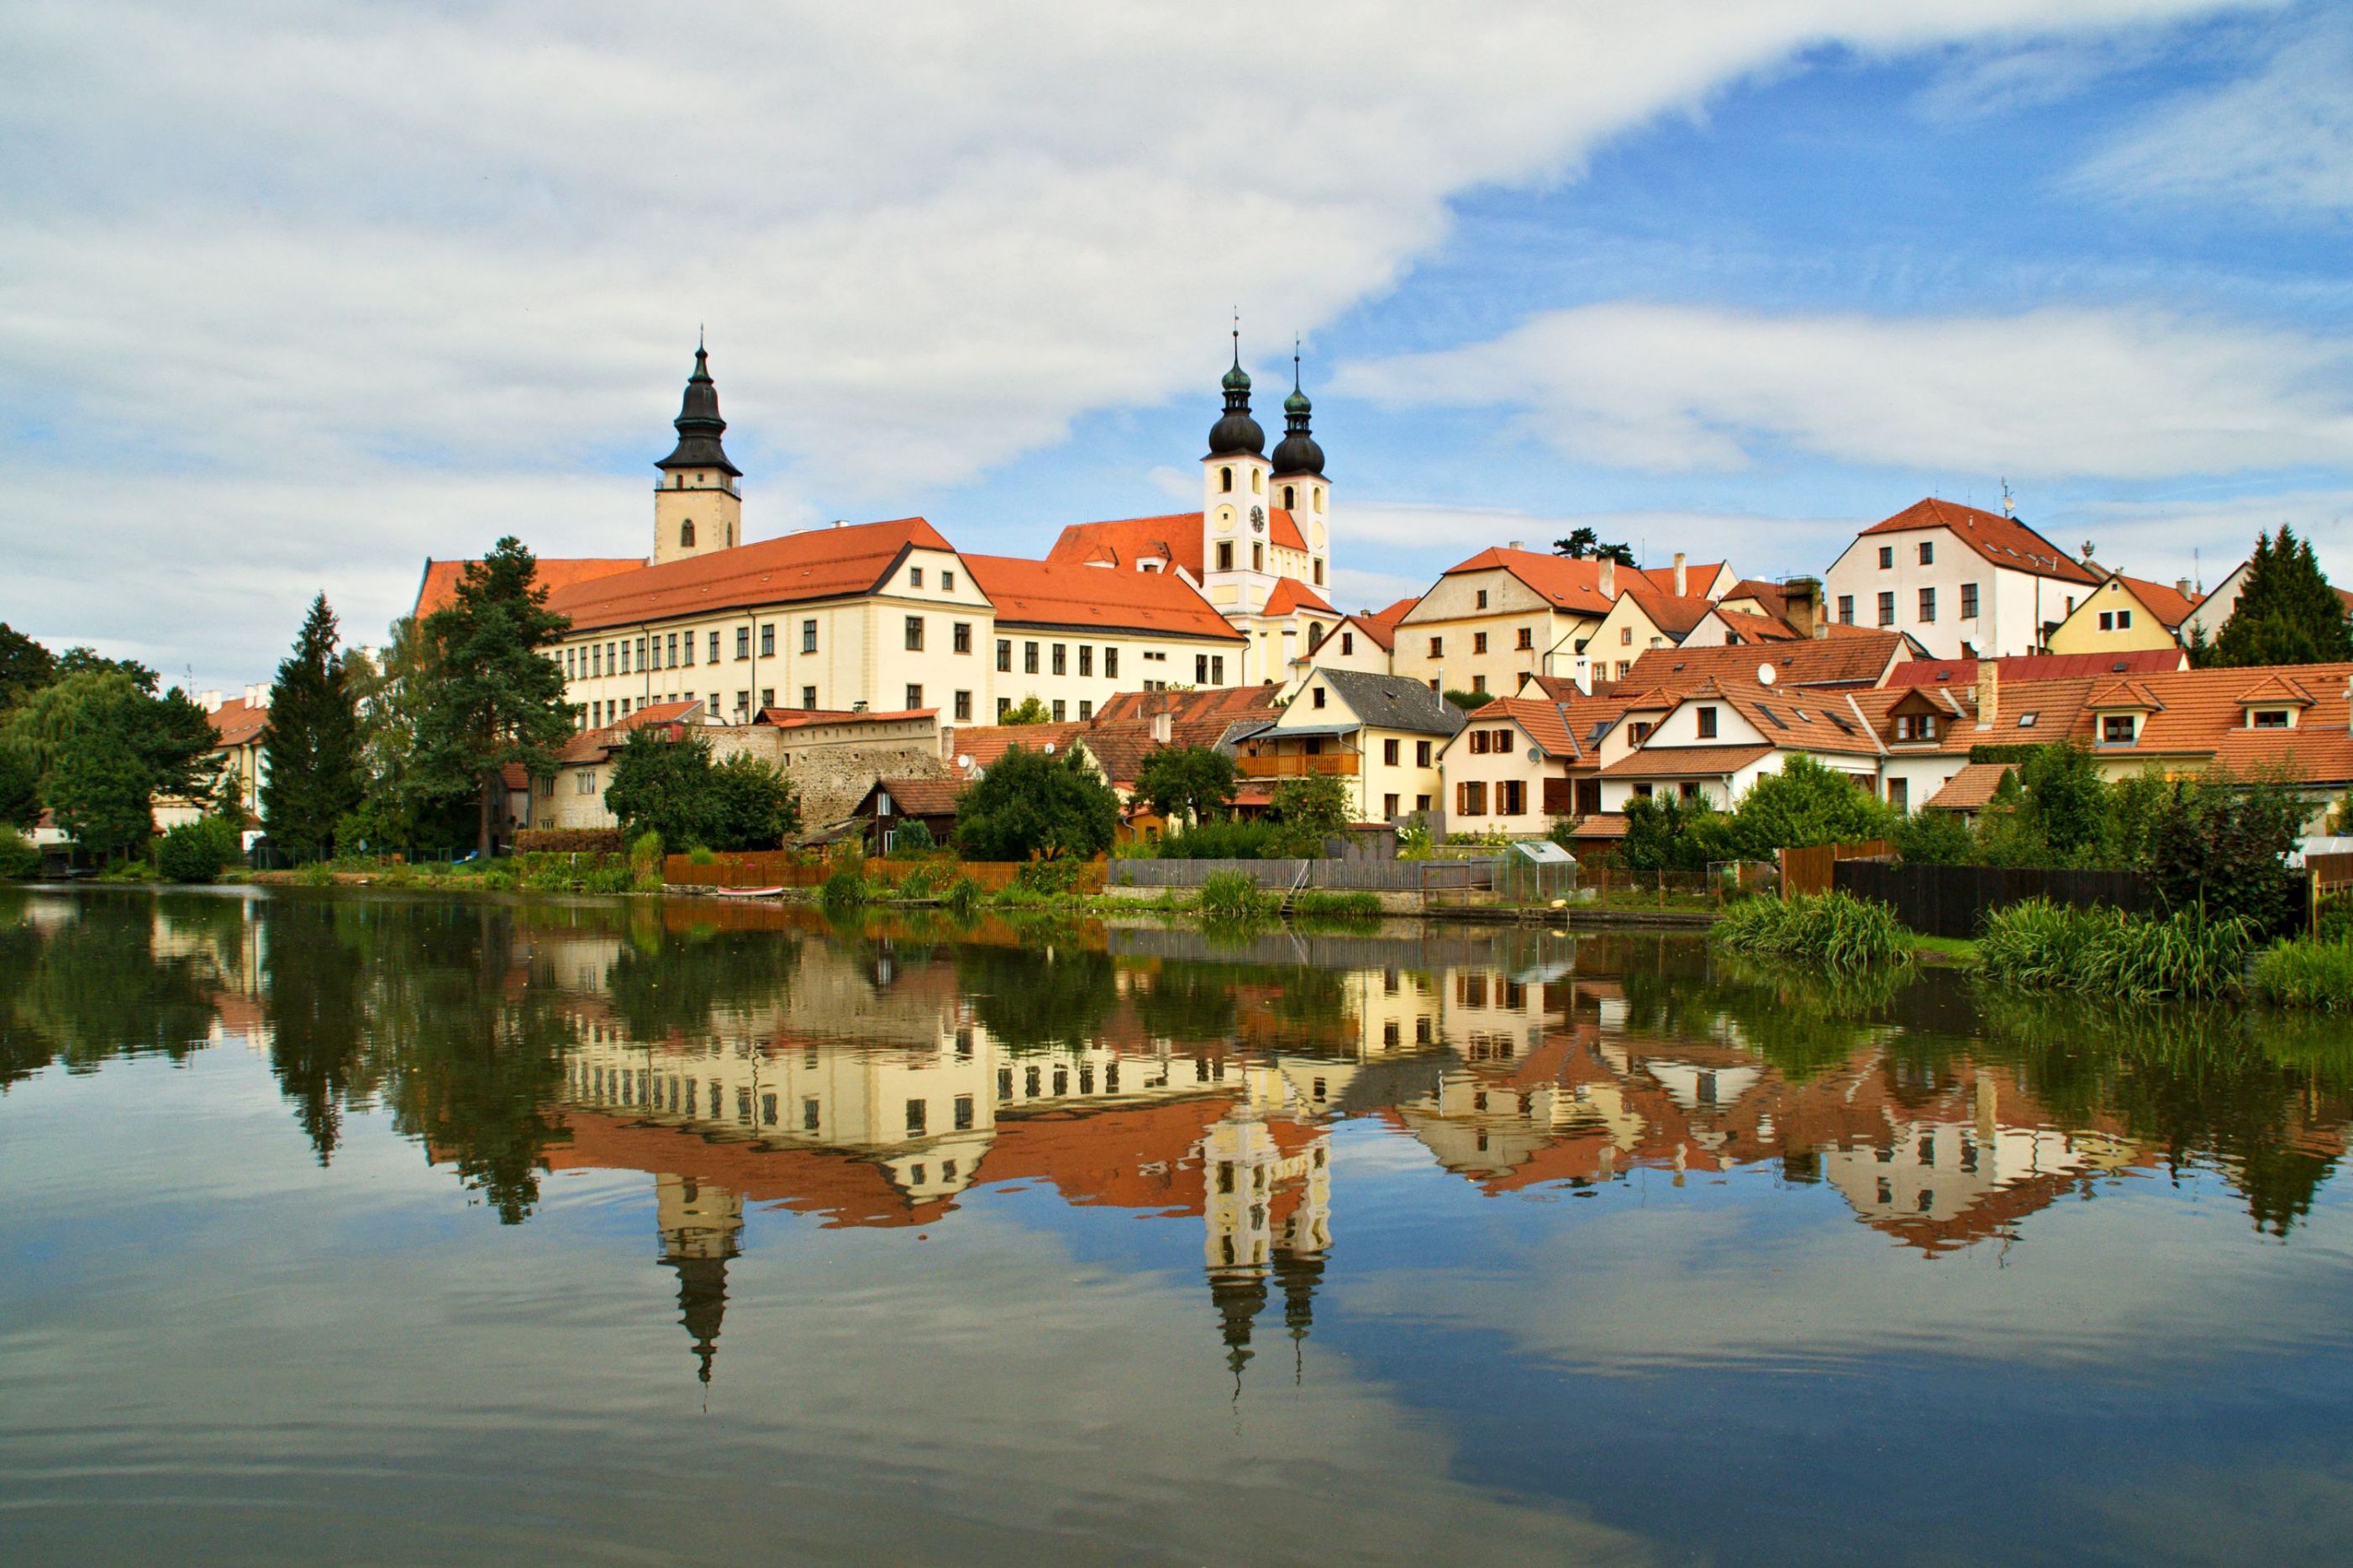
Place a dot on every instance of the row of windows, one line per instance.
(1511, 797)
(1927, 547)
(1060, 656)
(1526, 640)
(915, 579)
(1928, 605)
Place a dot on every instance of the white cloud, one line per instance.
(2058, 392)
(2280, 138)
(248, 244)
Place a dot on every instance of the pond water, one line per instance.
(388, 1229)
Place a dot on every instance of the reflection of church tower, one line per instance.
(1250, 1174)
(1298, 1272)
(698, 1230)
(1238, 1294)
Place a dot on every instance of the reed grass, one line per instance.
(1834, 931)
(2038, 945)
(2304, 973)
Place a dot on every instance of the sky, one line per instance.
(294, 297)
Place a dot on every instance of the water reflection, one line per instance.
(741, 1058)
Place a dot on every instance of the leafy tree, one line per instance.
(102, 796)
(310, 747)
(197, 851)
(25, 666)
(1806, 803)
(19, 857)
(2066, 802)
(1308, 811)
(1029, 710)
(103, 747)
(1188, 784)
(83, 660)
(2222, 842)
(1584, 544)
(663, 786)
(756, 803)
(2287, 613)
(1933, 838)
(1031, 804)
(406, 802)
(1667, 832)
(497, 699)
(20, 788)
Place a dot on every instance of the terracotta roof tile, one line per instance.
(2036, 667)
(239, 722)
(1543, 722)
(815, 564)
(438, 587)
(1049, 594)
(806, 718)
(2169, 604)
(1859, 661)
(921, 797)
(1173, 540)
(1568, 584)
(1970, 789)
(1684, 762)
(2002, 541)
(1290, 595)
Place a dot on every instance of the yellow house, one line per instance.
(1641, 619)
(2125, 615)
(1379, 734)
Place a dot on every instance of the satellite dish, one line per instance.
(1766, 675)
(964, 759)
(1050, 748)
(1535, 753)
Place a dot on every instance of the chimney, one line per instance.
(2181, 586)
(257, 695)
(208, 700)
(1608, 578)
(1682, 581)
(1164, 729)
(1989, 692)
(1517, 545)
(1803, 597)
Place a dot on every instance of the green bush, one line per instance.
(646, 862)
(1836, 932)
(197, 851)
(700, 854)
(963, 896)
(19, 857)
(1933, 838)
(570, 841)
(1234, 896)
(1317, 902)
(920, 883)
(2038, 945)
(2306, 973)
(846, 887)
(914, 841)
(1220, 840)
(1053, 877)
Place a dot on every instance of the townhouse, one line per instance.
(1960, 582)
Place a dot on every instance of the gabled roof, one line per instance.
(2002, 541)
(1753, 630)
(1173, 540)
(1859, 660)
(1670, 615)
(917, 797)
(1662, 579)
(2037, 667)
(815, 564)
(239, 722)
(1971, 789)
(1057, 595)
(1290, 595)
(2277, 689)
(1392, 702)
(2128, 693)
(1685, 762)
(1542, 722)
(595, 745)
(1566, 583)
(1796, 720)
(437, 589)
(2169, 604)
(1773, 597)
(1381, 624)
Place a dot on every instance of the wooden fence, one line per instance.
(784, 868)
(1811, 869)
(1953, 900)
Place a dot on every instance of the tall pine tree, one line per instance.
(499, 699)
(2286, 613)
(309, 752)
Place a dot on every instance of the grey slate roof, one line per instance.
(1392, 702)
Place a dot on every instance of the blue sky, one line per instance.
(313, 298)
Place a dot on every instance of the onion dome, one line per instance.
(1237, 434)
(699, 424)
(1297, 452)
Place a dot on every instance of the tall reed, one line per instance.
(2306, 974)
(2038, 945)
(1836, 932)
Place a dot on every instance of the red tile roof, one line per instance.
(1542, 722)
(1754, 629)
(919, 797)
(2037, 667)
(239, 723)
(1568, 584)
(437, 588)
(1971, 789)
(815, 564)
(1086, 599)
(1685, 762)
(1662, 579)
(1672, 616)
(1859, 660)
(1209, 705)
(804, 718)
(594, 745)
(1600, 825)
(977, 746)
(1174, 539)
(1290, 595)
(2169, 604)
(2002, 541)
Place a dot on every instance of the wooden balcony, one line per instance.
(1332, 764)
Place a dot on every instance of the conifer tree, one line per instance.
(2287, 613)
(498, 700)
(310, 749)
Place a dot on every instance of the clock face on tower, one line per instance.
(1258, 520)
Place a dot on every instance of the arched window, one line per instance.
(1226, 479)
(677, 481)
(686, 535)
(1288, 499)
(1257, 483)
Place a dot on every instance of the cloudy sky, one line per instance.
(294, 296)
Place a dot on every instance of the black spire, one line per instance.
(701, 1304)
(1297, 452)
(1237, 434)
(699, 424)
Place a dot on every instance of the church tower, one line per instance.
(1299, 485)
(696, 507)
(1237, 500)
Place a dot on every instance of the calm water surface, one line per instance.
(378, 1229)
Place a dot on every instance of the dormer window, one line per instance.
(2270, 718)
(2026, 720)
(1916, 726)
(2117, 729)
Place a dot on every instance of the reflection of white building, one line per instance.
(1267, 1210)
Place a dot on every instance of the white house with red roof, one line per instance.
(1962, 583)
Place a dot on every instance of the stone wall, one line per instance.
(831, 776)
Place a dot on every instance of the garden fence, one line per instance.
(1953, 900)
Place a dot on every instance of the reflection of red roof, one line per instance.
(2002, 541)
(1140, 1157)
(815, 564)
(1077, 598)
(845, 1189)
(437, 589)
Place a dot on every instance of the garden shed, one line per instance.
(1536, 871)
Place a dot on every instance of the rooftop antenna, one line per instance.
(2009, 504)
(1294, 362)
(2197, 572)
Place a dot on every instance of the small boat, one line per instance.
(748, 892)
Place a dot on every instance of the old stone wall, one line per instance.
(832, 777)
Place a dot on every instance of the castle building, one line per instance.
(891, 616)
